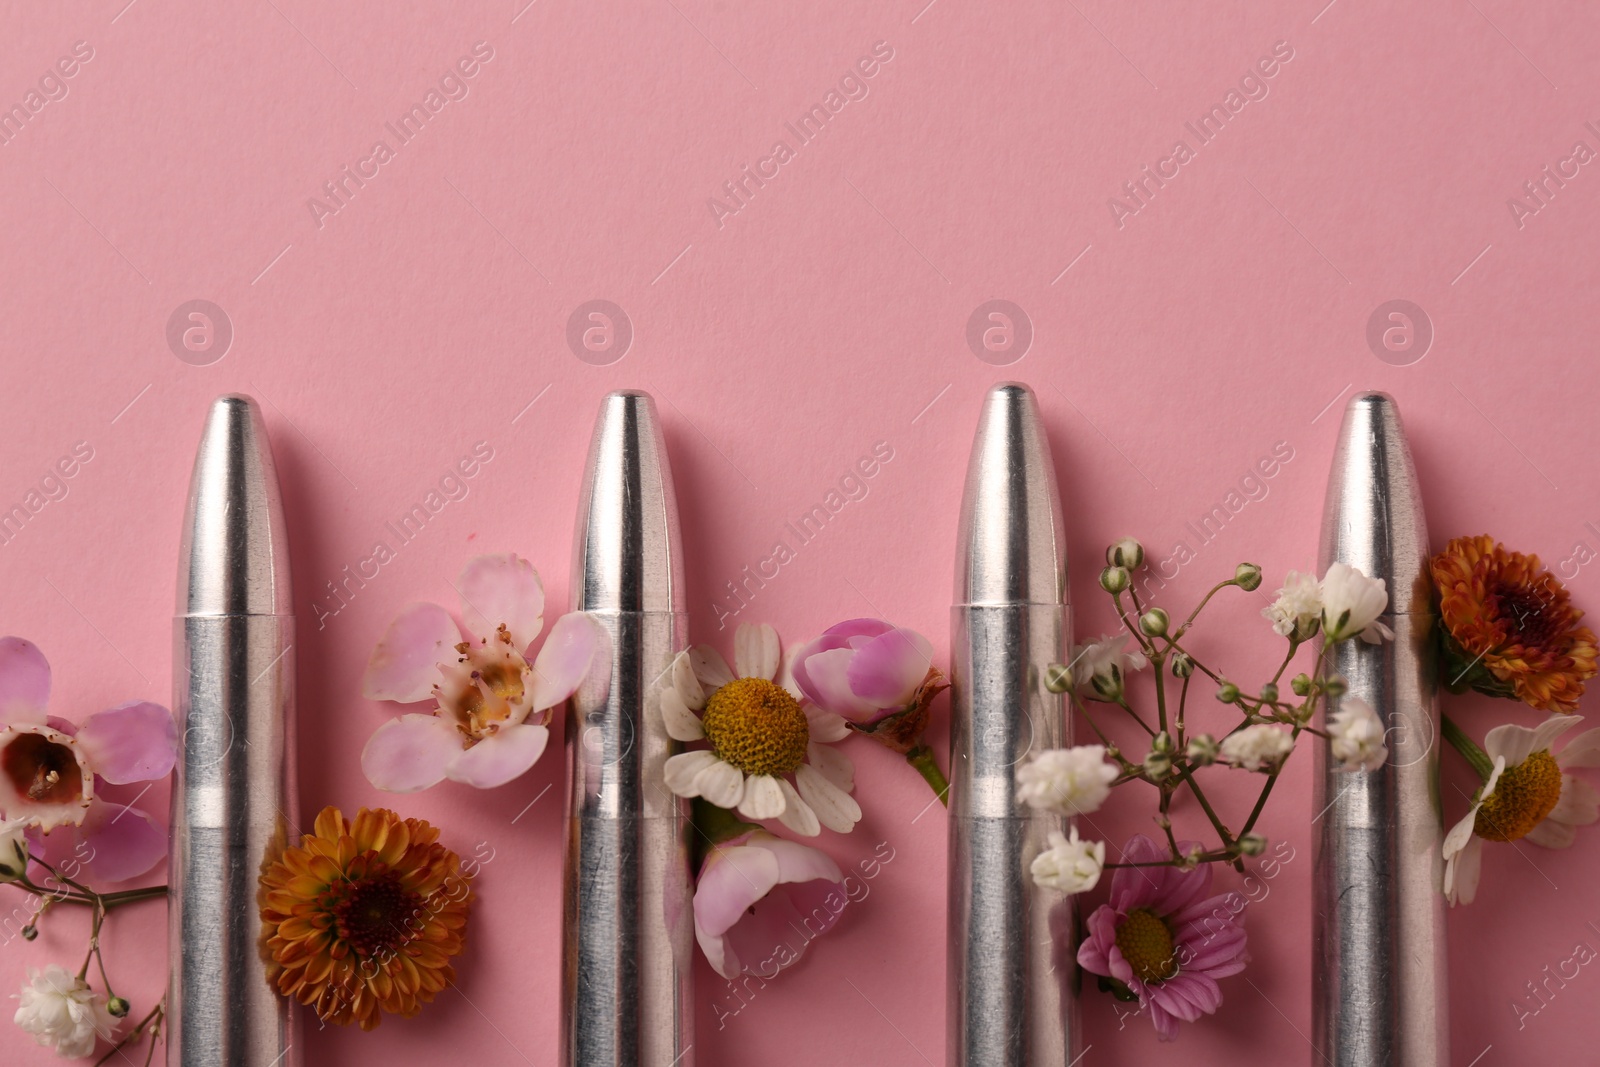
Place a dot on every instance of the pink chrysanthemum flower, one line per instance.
(51, 769)
(1165, 938)
(491, 717)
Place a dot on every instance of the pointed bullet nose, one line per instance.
(1011, 549)
(1373, 518)
(626, 554)
(235, 555)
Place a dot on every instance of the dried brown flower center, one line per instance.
(374, 916)
(1523, 796)
(1145, 940)
(1529, 614)
(42, 770)
(757, 726)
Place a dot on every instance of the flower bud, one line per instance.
(13, 855)
(1229, 693)
(1156, 765)
(1058, 677)
(1301, 684)
(1154, 622)
(1252, 844)
(1126, 553)
(1334, 686)
(1182, 665)
(118, 1007)
(1162, 743)
(1269, 693)
(1114, 579)
(30, 932)
(1247, 576)
(1202, 751)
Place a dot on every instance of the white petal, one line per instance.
(1545, 734)
(1552, 834)
(1581, 751)
(1579, 804)
(825, 725)
(681, 772)
(755, 651)
(834, 765)
(710, 667)
(720, 783)
(835, 808)
(687, 685)
(1515, 743)
(1469, 867)
(682, 724)
(1460, 834)
(797, 814)
(763, 799)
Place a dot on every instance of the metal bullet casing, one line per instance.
(233, 800)
(1011, 999)
(1379, 980)
(627, 986)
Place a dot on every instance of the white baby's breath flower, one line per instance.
(1100, 666)
(62, 1013)
(1068, 781)
(13, 850)
(1355, 736)
(1256, 748)
(1070, 865)
(1351, 604)
(1298, 607)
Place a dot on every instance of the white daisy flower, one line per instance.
(761, 733)
(1528, 794)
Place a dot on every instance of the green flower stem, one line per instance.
(922, 758)
(714, 825)
(1468, 748)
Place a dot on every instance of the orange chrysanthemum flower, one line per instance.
(363, 918)
(1510, 627)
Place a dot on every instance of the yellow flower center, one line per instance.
(757, 726)
(1145, 940)
(1522, 798)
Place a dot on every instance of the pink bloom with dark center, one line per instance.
(51, 770)
(864, 669)
(1165, 937)
(760, 900)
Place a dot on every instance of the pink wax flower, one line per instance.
(491, 717)
(760, 900)
(865, 669)
(51, 769)
(1165, 938)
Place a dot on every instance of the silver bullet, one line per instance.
(233, 802)
(627, 924)
(1011, 999)
(1379, 980)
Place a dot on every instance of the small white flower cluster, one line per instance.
(1345, 604)
(1067, 781)
(62, 1012)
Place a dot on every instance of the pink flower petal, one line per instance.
(827, 684)
(405, 665)
(888, 669)
(410, 753)
(500, 758)
(732, 880)
(116, 842)
(578, 645)
(797, 862)
(134, 742)
(24, 681)
(502, 589)
(841, 632)
(1093, 954)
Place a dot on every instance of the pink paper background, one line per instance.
(829, 313)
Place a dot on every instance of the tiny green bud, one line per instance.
(30, 932)
(1154, 622)
(1162, 742)
(1202, 751)
(1156, 765)
(1252, 844)
(1247, 576)
(1301, 684)
(1269, 693)
(1114, 579)
(1335, 686)
(1229, 693)
(118, 1007)
(1182, 665)
(1058, 677)
(1127, 553)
